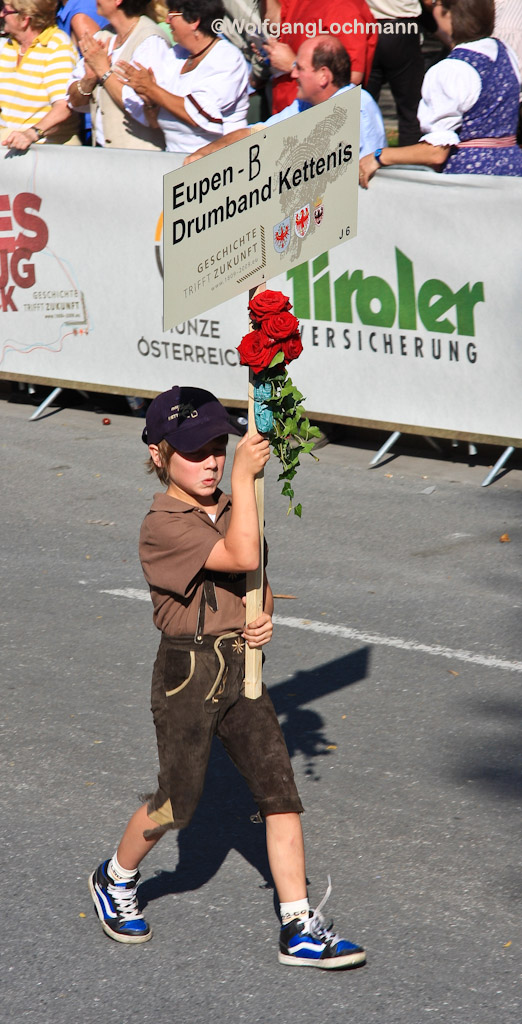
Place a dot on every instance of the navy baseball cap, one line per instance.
(187, 418)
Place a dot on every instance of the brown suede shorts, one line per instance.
(198, 692)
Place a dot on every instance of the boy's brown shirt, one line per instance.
(175, 542)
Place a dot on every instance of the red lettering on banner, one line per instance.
(16, 252)
(6, 224)
(23, 204)
(23, 274)
(4, 268)
(6, 297)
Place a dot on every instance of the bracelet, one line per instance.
(377, 156)
(82, 92)
(104, 77)
(39, 133)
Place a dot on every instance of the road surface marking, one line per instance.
(377, 639)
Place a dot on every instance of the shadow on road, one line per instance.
(495, 763)
(223, 819)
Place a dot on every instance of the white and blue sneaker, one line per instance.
(116, 904)
(313, 943)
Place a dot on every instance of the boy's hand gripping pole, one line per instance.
(255, 579)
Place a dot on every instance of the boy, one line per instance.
(196, 544)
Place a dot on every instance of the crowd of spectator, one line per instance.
(183, 76)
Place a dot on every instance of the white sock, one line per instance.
(299, 909)
(119, 874)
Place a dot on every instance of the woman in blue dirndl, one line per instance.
(470, 102)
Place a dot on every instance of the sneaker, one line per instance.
(313, 943)
(116, 904)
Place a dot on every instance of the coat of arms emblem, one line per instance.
(302, 220)
(318, 211)
(282, 235)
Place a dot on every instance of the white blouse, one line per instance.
(450, 89)
(215, 92)
(149, 54)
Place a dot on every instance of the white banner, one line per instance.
(412, 325)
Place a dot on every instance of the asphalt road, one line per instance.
(396, 672)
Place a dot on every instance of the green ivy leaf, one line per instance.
(287, 474)
(292, 433)
(291, 424)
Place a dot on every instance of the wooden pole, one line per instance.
(254, 580)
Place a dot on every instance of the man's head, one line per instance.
(322, 66)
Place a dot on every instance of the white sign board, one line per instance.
(242, 215)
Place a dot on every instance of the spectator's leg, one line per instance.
(377, 75)
(405, 64)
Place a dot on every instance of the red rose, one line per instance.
(280, 326)
(292, 347)
(256, 351)
(268, 302)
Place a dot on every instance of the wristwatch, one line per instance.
(40, 134)
(377, 156)
(104, 77)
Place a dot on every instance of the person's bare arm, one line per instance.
(143, 82)
(80, 91)
(48, 124)
(422, 154)
(268, 605)
(239, 550)
(115, 89)
(97, 64)
(271, 10)
(224, 140)
(82, 24)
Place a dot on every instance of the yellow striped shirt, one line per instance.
(30, 83)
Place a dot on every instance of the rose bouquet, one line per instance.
(273, 342)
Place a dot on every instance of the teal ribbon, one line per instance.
(262, 414)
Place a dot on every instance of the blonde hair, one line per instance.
(157, 11)
(166, 452)
(41, 12)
